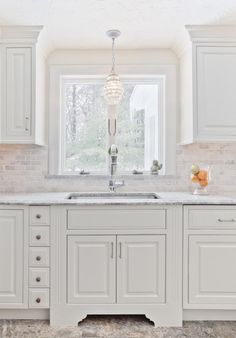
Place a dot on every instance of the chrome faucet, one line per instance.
(113, 182)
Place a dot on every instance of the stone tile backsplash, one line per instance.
(23, 168)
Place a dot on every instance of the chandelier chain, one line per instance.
(113, 55)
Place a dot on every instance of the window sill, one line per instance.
(140, 177)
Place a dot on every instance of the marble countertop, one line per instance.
(59, 198)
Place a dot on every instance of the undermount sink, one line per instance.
(125, 196)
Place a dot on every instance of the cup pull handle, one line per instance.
(112, 250)
(232, 220)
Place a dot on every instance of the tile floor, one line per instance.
(117, 327)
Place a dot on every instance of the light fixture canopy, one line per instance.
(113, 88)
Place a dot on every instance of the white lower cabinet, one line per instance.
(209, 257)
(13, 263)
(140, 273)
(116, 259)
(212, 269)
(141, 269)
(91, 269)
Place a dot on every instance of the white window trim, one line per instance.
(167, 125)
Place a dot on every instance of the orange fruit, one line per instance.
(202, 175)
(194, 179)
(203, 183)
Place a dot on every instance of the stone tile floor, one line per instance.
(115, 327)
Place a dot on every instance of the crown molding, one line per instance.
(212, 33)
(19, 34)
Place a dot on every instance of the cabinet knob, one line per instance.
(38, 279)
(38, 258)
(38, 216)
(38, 237)
(38, 300)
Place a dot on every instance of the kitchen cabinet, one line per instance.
(116, 260)
(91, 269)
(141, 269)
(13, 259)
(92, 274)
(21, 113)
(212, 270)
(207, 81)
(209, 257)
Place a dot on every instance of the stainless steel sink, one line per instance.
(123, 196)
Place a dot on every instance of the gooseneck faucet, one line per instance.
(113, 182)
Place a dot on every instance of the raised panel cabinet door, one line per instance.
(18, 110)
(212, 270)
(12, 282)
(91, 269)
(141, 272)
(215, 106)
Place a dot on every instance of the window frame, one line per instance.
(166, 77)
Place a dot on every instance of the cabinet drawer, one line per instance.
(39, 277)
(84, 219)
(39, 215)
(39, 236)
(38, 298)
(210, 217)
(39, 256)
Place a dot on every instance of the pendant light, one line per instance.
(113, 88)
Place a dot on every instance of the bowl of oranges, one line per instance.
(200, 177)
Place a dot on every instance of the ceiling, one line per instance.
(144, 23)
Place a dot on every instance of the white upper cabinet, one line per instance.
(19, 113)
(208, 82)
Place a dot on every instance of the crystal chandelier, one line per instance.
(113, 89)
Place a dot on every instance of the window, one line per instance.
(84, 132)
(78, 128)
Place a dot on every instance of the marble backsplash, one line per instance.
(23, 168)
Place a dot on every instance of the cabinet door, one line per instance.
(215, 105)
(212, 270)
(91, 269)
(141, 269)
(18, 96)
(12, 278)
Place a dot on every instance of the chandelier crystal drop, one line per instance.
(113, 88)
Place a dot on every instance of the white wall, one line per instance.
(123, 57)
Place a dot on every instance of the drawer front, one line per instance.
(38, 298)
(39, 277)
(39, 215)
(39, 236)
(39, 256)
(210, 217)
(85, 219)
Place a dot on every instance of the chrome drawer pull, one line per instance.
(38, 237)
(38, 258)
(120, 255)
(226, 220)
(38, 216)
(38, 300)
(112, 250)
(38, 279)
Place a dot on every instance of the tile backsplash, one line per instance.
(23, 168)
